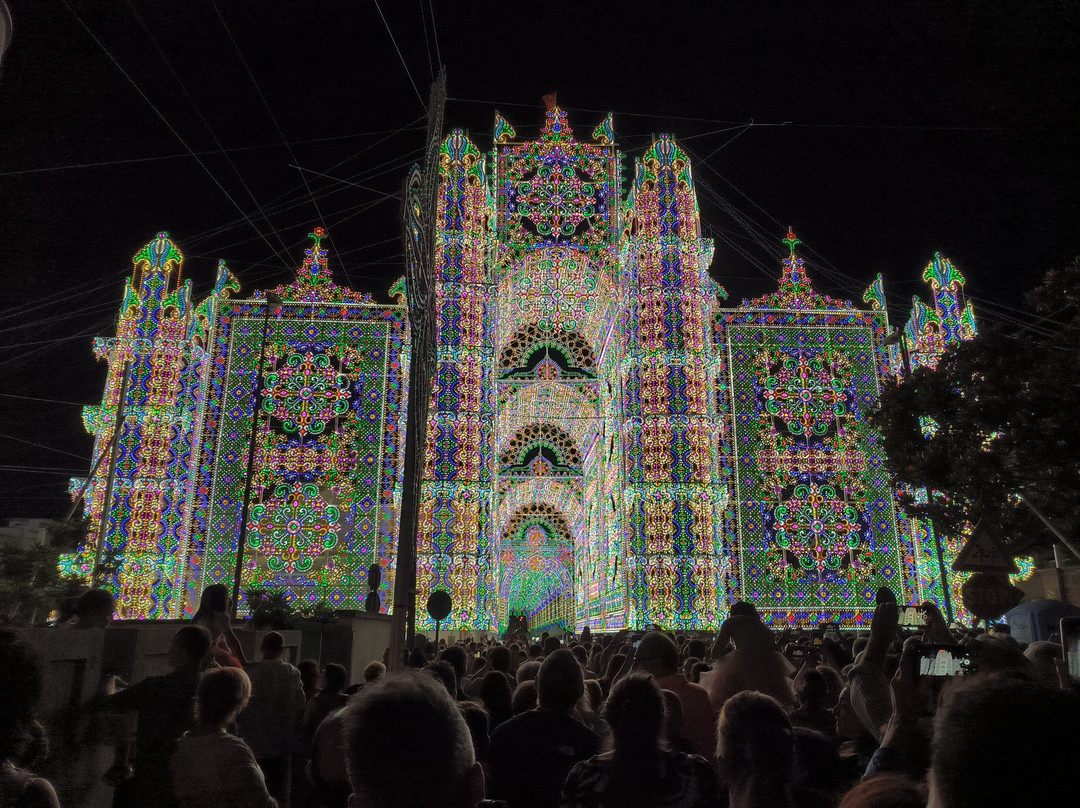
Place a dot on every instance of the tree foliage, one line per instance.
(1002, 408)
(30, 582)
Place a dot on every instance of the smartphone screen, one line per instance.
(1070, 644)
(912, 616)
(831, 631)
(944, 660)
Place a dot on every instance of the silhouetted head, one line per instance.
(408, 746)
(335, 677)
(560, 682)
(215, 598)
(272, 645)
(500, 658)
(1004, 717)
(443, 671)
(309, 675)
(635, 713)
(754, 737)
(95, 608)
(455, 655)
(524, 698)
(373, 671)
(222, 694)
(742, 608)
(189, 646)
(657, 654)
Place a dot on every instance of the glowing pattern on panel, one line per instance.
(815, 528)
(140, 555)
(676, 504)
(327, 464)
(606, 445)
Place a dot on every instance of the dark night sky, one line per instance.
(912, 127)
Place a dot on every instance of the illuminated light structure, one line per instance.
(675, 499)
(609, 442)
(814, 531)
(931, 331)
(328, 428)
(140, 551)
(328, 467)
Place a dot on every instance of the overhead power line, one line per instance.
(165, 120)
(402, 58)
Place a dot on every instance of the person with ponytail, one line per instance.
(639, 771)
(755, 751)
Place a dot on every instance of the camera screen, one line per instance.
(937, 661)
(1071, 641)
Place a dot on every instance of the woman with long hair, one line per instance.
(639, 770)
(213, 615)
(496, 698)
(755, 751)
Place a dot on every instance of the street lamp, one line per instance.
(272, 301)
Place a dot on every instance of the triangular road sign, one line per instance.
(983, 552)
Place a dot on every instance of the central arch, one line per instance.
(536, 552)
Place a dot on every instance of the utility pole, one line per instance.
(418, 203)
(106, 503)
(274, 301)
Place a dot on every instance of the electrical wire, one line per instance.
(165, 120)
(205, 123)
(273, 117)
(435, 33)
(402, 58)
(771, 125)
(427, 44)
(45, 400)
(187, 155)
(41, 469)
(43, 446)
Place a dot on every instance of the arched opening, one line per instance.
(537, 567)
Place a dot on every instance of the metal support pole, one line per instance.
(106, 502)
(256, 394)
(943, 573)
(1061, 536)
(106, 452)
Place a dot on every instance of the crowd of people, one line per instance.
(749, 717)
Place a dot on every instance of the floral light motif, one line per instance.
(557, 200)
(817, 527)
(293, 528)
(306, 392)
(804, 394)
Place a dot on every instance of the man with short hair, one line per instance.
(658, 656)
(1004, 717)
(407, 746)
(532, 753)
(271, 720)
(165, 709)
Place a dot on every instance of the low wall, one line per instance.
(76, 662)
(1053, 583)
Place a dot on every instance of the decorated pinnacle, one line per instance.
(319, 233)
(791, 239)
